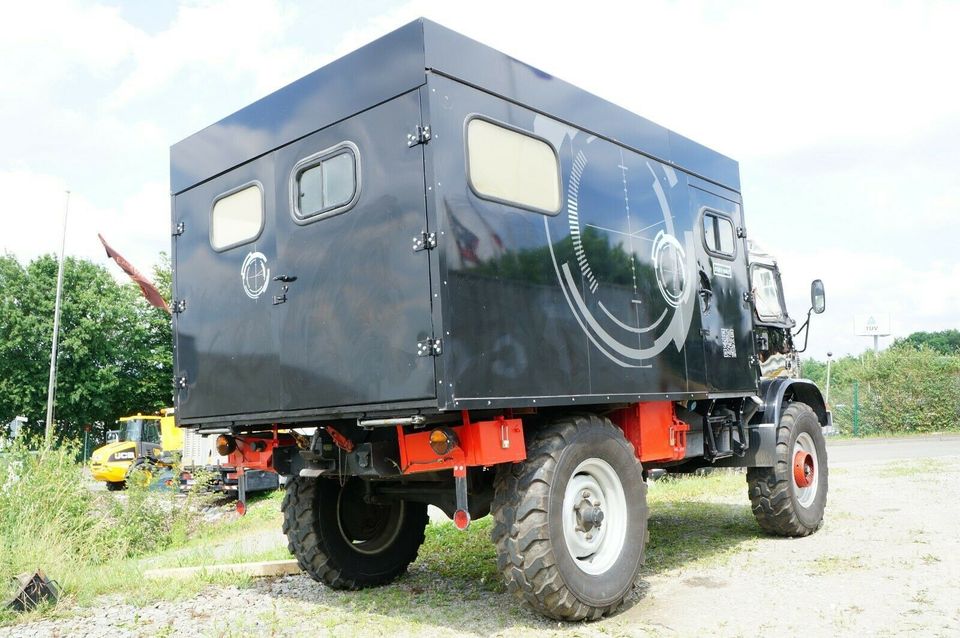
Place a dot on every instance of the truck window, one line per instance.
(512, 167)
(718, 235)
(766, 290)
(325, 183)
(237, 217)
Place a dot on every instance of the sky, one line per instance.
(844, 117)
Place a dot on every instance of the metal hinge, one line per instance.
(178, 306)
(430, 347)
(753, 360)
(178, 229)
(741, 232)
(748, 297)
(180, 382)
(420, 135)
(424, 241)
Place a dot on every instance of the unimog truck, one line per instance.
(484, 289)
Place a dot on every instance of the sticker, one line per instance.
(722, 270)
(255, 274)
(729, 341)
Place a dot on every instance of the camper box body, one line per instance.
(425, 285)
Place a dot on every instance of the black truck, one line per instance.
(464, 282)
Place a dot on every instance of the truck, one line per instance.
(481, 288)
(142, 441)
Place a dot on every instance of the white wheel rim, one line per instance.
(806, 495)
(594, 487)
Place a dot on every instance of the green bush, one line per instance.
(901, 390)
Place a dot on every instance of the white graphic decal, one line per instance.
(255, 274)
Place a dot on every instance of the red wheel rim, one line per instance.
(803, 469)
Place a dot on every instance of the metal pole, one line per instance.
(856, 408)
(829, 361)
(51, 387)
(876, 340)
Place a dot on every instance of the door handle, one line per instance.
(287, 279)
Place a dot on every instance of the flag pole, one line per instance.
(52, 386)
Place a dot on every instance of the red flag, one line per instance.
(149, 291)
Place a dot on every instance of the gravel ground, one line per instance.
(887, 562)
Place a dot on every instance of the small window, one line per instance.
(766, 291)
(718, 234)
(237, 217)
(512, 167)
(325, 184)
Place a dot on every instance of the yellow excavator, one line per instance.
(143, 442)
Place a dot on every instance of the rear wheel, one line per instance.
(571, 520)
(116, 486)
(343, 541)
(789, 498)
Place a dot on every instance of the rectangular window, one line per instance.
(766, 294)
(326, 183)
(718, 235)
(237, 217)
(512, 167)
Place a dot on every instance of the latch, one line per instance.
(178, 306)
(424, 241)
(430, 347)
(180, 382)
(421, 135)
(286, 280)
(178, 229)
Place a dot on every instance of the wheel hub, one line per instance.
(803, 468)
(589, 515)
(594, 516)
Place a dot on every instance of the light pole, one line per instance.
(52, 385)
(829, 361)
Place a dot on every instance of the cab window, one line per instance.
(767, 297)
(718, 235)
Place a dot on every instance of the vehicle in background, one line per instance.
(143, 442)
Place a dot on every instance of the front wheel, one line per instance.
(571, 520)
(345, 542)
(789, 498)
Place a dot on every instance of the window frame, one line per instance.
(785, 320)
(345, 147)
(526, 133)
(710, 212)
(263, 215)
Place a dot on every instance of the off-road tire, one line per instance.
(773, 491)
(314, 537)
(116, 486)
(532, 554)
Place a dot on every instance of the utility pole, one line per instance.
(52, 386)
(829, 361)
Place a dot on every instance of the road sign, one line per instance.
(871, 325)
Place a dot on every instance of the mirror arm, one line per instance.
(806, 335)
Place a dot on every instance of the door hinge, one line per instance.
(420, 135)
(753, 360)
(430, 347)
(178, 229)
(748, 297)
(180, 382)
(741, 232)
(178, 306)
(424, 241)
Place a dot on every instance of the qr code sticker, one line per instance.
(729, 343)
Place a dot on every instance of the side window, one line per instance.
(326, 184)
(766, 290)
(718, 235)
(237, 217)
(512, 167)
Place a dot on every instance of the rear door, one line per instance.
(225, 354)
(350, 202)
(725, 314)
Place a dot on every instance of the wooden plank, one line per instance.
(265, 568)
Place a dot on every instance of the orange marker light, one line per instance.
(443, 440)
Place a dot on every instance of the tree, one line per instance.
(944, 341)
(115, 349)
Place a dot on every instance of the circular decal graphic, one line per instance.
(625, 267)
(255, 274)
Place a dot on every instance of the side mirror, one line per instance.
(817, 298)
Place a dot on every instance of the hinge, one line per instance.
(753, 360)
(180, 382)
(424, 241)
(748, 297)
(178, 229)
(741, 232)
(430, 347)
(178, 306)
(704, 332)
(420, 135)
